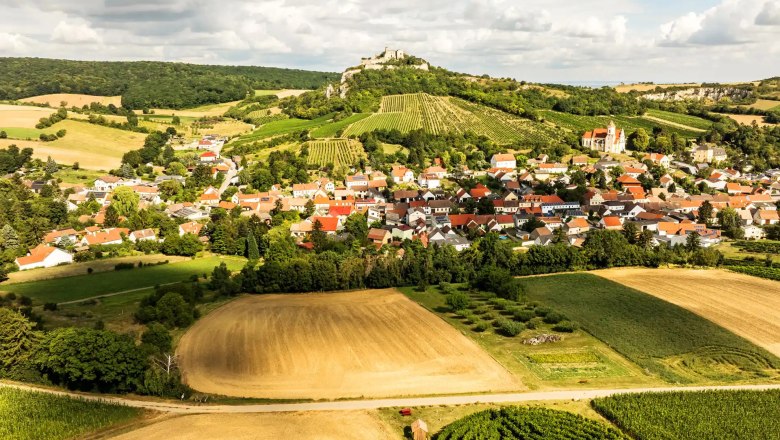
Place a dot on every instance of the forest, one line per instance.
(148, 84)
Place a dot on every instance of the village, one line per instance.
(440, 206)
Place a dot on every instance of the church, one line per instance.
(607, 140)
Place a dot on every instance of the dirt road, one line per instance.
(351, 405)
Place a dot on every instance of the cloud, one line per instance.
(75, 32)
(514, 19)
(12, 43)
(769, 15)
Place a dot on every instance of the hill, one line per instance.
(148, 83)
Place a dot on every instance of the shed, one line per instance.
(419, 430)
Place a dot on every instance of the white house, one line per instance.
(503, 160)
(44, 256)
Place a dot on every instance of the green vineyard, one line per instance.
(339, 152)
(437, 114)
(679, 118)
(516, 423)
(577, 123)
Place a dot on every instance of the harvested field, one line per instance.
(23, 116)
(746, 305)
(749, 119)
(342, 425)
(73, 99)
(374, 343)
(285, 93)
(68, 270)
(625, 88)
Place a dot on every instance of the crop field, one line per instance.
(711, 415)
(28, 415)
(196, 112)
(92, 146)
(68, 270)
(770, 273)
(73, 99)
(625, 88)
(332, 129)
(579, 123)
(437, 114)
(577, 360)
(21, 116)
(317, 425)
(748, 306)
(749, 119)
(374, 343)
(86, 286)
(766, 104)
(669, 341)
(339, 152)
(284, 126)
(518, 423)
(681, 119)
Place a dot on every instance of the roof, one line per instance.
(503, 157)
(191, 228)
(329, 224)
(209, 154)
(106, 236)
(143, 233)
(377, 234)
(611, 221)
(54, 235)
(37, 255)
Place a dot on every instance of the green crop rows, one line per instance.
(771, 273)
(679, 118)
(579, 123)
(337, 152)
(332, 129)
(436, 114)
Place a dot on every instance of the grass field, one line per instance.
(766, 104)
(87, 286)
(730, 251)
(68, 270)
(373, 343)
(331, 130)
(73, 99)
(339, 152)
(339, 425)
(30, 415)
(711, 415)
(92, 146)
(284, 126)
(748, 306)
(578, 361)
(579, 123)
(115, 312)
(437, 114)
(666, 340)
(694, 122)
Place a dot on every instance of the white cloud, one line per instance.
(12, 43)
(769, 15)
(75, 32)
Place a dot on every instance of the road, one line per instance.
(105, 295)
(351, 405)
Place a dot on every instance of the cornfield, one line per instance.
(28, 415)
(711, 415)
(516, 423)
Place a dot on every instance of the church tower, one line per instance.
(609, 142)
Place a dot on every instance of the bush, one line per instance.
(534, 323)
(542, 311)
(124, 266)
(509, 328)
(480, 326)
(90, 270)
(50, 306)
(553, 318)
(523, 315)
(458, 301)
(565, 327)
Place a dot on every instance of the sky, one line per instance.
(535, 40)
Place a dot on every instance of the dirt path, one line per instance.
(105, 295)
(354, 405)
(673, 124)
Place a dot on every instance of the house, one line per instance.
(380, 236)
(551, 168)
(106, 183)
(658, 159)
(577, 226)
(503, 160)
(437, 170)
(56, 236)
(142, 235)
(209, 156)
(707, 154)
(401, 174)
(611, 222)
(753, 232)
(429, 180)
(190, 228)
(305, 189)
(44, 256)
(104, 237)
(607, 140)
(328, 224)
(764, 217)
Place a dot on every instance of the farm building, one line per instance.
(419, 430)
(44, 256)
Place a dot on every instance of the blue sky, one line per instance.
(536, 40)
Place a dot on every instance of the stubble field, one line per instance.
(746, 305)
(73, 99)
(326, 346)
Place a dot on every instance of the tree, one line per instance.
(485, 206)
(631, 232)
(18, 339)
(51, 166)
(176, 120)
(173, 311)
(112, 217)
(458, 300)
(158, 337)
(3, 135)
(252, 251)
(126, 171)
(705, 213)
(125, 201)
(639, 140)
(693, 241)
(730, 222)
(86, 359)
(309, 209)
(9, 239)
(318, 236)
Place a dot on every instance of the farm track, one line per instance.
(367, 404)
(673, 124)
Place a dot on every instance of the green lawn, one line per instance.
(578, 361)
(28, 415)
(86, 286)
(666, 340)
(711, 415)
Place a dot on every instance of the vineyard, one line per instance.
(711, 415)
(332, 129)
(339, 152)
(577, 123)
(679, 118)
(770, 273)
(516, 423)
(761, 247)
(30, 415)
(437, 114)
(283, 126)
